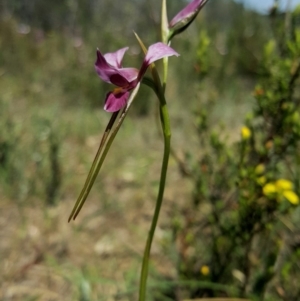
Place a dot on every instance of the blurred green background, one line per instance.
(51, 121)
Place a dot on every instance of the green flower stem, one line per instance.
(165, 65)
(165, 122)
(159, 89)
(164, 22)
(164, 37)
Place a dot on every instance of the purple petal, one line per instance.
(190, 11)
(116, 100)
(119, 76)
(115, 58)
(157, 51)
(119, 80)
(130, 74)
(104, 70)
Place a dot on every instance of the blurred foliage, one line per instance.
(46, 60)
(241, 228)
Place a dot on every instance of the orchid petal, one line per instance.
(155, 52)
(129, 74)
(188, 12)
(116, 100)
(119, 80)
(185, 17)
(104, 69)
(119, 76)
(115, 58)
(158, 51)
(108, 68)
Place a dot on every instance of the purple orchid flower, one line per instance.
(109, 69)
(185, 17)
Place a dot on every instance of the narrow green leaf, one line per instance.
(91, 172)
(99, 159)
(144, 48)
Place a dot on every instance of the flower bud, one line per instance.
(246, 133)
(185, 17)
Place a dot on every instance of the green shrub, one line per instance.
(240, 229)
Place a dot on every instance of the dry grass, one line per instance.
(45, 258)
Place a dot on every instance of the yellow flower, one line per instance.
(283, 184)
(260, 169)
(246, 133)
(281, 188)
(261, 180)
(205, 270)
(291, 196)
(269, 188)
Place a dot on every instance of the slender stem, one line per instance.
(165, 123)
(165, 62)
(164, 37)
(167, 143)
